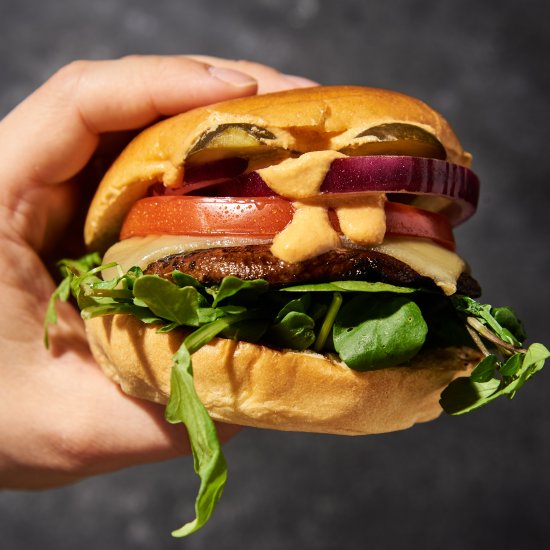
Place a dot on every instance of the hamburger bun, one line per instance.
(251, 384)
(254, 385)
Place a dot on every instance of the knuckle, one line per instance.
(66, 80)
(71, 72)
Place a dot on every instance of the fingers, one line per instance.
(83, 431)
(51, 135)
(269, 79)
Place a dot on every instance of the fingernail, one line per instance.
(235, 78)
(300, 81)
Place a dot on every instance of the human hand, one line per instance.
(61, 419)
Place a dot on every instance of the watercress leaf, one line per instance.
(142, 313)
(231, 310)
(233, 285)
(131, 276)
(168, 301)
(508, 319)
(169, 327)
(374, 331)
(97, 291)
(183, 279)
(294, 331)
(512, 365)
(205, 333)
(536, 356)
(139, 303)
(533, 361)
(349, 286)
(300, 305)
(185, 406)
(467, 305)
(464, 395)
(485, 369)
(62, 292)
(109, 284)
(483, 313)
(81, 265)
(248, 331)
(208, 314)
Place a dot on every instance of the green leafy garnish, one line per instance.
(185, 406)
(71, 270)
(377, 332)
(168, 301)
(369, 325)
(506, 366)
(349, 286)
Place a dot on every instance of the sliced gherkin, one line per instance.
(398, 138)
(232, 139)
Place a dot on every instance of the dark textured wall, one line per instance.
(481, 481)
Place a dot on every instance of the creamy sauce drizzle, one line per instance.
(363, 220)
(299, 178)
(310, 233)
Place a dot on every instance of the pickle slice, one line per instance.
(231, 140)
(397, 138)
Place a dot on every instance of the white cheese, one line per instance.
(424, 256)
(142, 251)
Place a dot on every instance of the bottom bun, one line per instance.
(253, 385)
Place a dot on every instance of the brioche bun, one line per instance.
(250, 384)
(332, 112)
(253, 385)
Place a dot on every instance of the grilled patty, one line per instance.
(250, 262)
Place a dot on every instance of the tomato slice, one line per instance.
(261, 217)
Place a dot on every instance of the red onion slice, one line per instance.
(409, 175)
(406, 179)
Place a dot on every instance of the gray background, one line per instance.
(481, 481)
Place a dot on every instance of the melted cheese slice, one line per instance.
(424, 256)
(142, 251)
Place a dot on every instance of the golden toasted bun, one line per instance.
(252, 385)
(158, 153)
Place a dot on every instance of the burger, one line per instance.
(287, 261)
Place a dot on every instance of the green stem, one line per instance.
(115, 293)
(326, 327)
(204, 334)
(478, 341)
(488, 335)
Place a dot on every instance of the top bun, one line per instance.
(337, 112)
